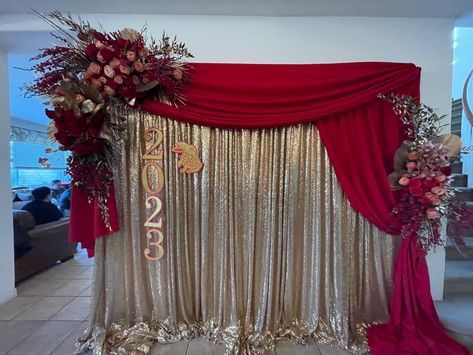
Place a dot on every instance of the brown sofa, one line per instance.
(49, 243)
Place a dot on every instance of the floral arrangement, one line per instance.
(421, 176)
(87, 71)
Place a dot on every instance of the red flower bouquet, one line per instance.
(82, 76)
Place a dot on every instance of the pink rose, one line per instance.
(114, 63)
(432, 213)
(103, 79)
(177, 73)
(436, 201)
(109, 91)
(96, 83)
(139, 67)
(124, 69)
(99, 45)
(411, 165)
(136, 80)
(118, 79)
(440, 178)
(108, 71)
(404, 181)
(412, 156)
(94, 68)
(430, 195)
(131, 56)
(439, 191)
(80, 98)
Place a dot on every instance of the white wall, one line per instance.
(462, 65)
(425, 42)
(7, 276)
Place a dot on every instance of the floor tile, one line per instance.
(201, 346)
(44, 309)
(69, 272)
(45, 339)
(13, 332)
(329, 350)
(46, 272)
(17, 305)
(72, 288)
(87, 293)
(288, 348)
(40, 287)
(77, 309)
(179, 348)
(68, 346)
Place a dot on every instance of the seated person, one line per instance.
(65, 202)
(41, 207)
(56, 189)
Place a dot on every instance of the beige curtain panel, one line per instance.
(261, 245)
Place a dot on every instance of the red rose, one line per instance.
(105, 55)
(91, 50)
(416, 187)
(99, 36)
(429, 183)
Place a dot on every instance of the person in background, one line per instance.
(65, 202)
(41, 207)
(56, 189)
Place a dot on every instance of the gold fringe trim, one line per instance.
(123, 338)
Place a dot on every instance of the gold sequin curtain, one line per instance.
(261, 245)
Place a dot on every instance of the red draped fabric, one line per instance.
(86, 222)
(360, 133)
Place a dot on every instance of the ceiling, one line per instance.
(378, 8)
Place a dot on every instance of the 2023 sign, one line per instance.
(152, 178)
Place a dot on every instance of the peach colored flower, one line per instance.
(125, 69)
(404, 181)
(118, 79)
(88, 74)
(440, 178)
(80, 98)
(136, 80)
(139, 67)
(432, 213)
(436, 201)
(143, 52)
(177, 73)
(411, 165)
(114, 63)
(131, 56)
(412, 156)
(109, 91)
(96, 83)
(95, 68)
(108, 71)
(439, 191)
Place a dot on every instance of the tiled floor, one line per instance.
(50, 312)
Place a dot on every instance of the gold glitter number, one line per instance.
(158, 206)
(152, 178)
(145, 178)
(155, 137)
(155, 250)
